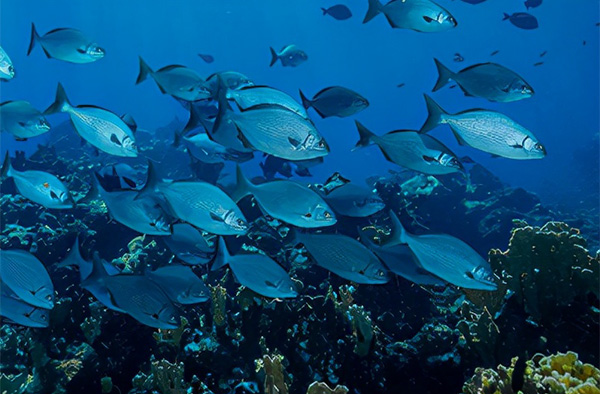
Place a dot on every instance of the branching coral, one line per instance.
(274, 373)
(556, 374)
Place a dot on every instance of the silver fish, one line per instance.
(178, 81)
(39, 186)
(345, 257)
(487, 80)
(22, 120)
(446, 257)
(198, 203)
(180, 284)
(100, 127)
(290, 56)
(354, 201)
(335, 101)
(419, 15)
(144, 215)
(257, 272)
(7, 71)
(402, 262)
(27, 277)
(488, 131)
(136, 295)
(413, 150)
(22, 313)
(272, 130)
(189, 245)
(287, 201)
(69, 45)
(232, 80)
(253, 96)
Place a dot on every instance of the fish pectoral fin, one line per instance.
(427, 19)
(82, 51)
(216, 217)
(20, 139)
(295, 143)
(428, 159)
(270, 284)
(129, 182)
(114, 139)
(53, 195)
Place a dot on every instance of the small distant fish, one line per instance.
(488, 131)
(22, 120)
(487, 80)
(22, 313)
(494, 53)
(27, 277)
(522, 20)
(339, 12)
(543, 53)
(198, 203)
(189, 245)
(419, 15)
(252, 96)
(538, 64)
(335, 101)
(446, 257)
(401, 85)
(69, 45)
(532, 3)
(344, 256)
(206, 57)
(411, 149)
(7, 70)
(100, 127)
(39, 186)
(458, 58)
(352, 200)
(290, 56)
(178, 81)
(180, 284)
(584, 42)
(257, 272)
(287, 201)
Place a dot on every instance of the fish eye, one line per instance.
(380, 273)
(240, 222)
(49, 297)
(327, 215)
(43, 317)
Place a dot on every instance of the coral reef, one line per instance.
(561, 373)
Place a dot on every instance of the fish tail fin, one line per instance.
(506, 16)
(324, 10)
(365, 136)
(34, 38)
(6, 167)
(98, 271)
(224, 107)
(61, 102)
(435, 117)
(93, 193)
(152, 182)
(73, 258)
(306, 103)
(274, 56)
(222, 255)
(444, 75)
(243, 187)
(398, 234)
(145, 70)
(374, 10)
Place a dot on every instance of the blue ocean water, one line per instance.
(372, 59)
